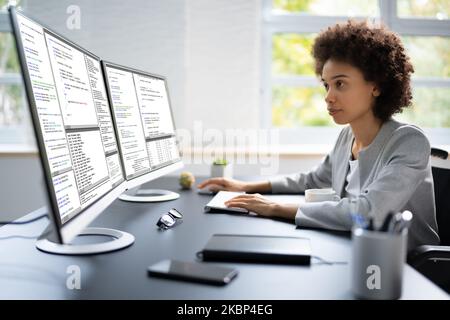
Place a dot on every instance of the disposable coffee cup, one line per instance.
(318, 195)
(377, 263)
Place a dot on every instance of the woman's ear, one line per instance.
(376, 92)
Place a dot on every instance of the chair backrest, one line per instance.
(440, 164)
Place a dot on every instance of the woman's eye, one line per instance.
(339, 84)
(325, 86)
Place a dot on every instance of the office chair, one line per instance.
(434, 261)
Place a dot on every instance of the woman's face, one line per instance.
(349, 97)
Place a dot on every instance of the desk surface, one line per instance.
(27, 273)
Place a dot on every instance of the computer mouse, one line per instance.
(206, 191)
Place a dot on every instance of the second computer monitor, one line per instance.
(145, 128)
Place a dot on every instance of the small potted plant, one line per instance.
(221, 168)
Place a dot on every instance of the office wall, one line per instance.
(223, 63)
(22, 188)
(145, 34)
(208, 49)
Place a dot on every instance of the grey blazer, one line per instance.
(395, 175)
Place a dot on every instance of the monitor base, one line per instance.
(149, 195)
(121, 240)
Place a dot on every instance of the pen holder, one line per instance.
(377, 263)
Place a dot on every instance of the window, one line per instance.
(436, 9)
(15, 127)
(292, 95)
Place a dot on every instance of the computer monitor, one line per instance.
(75, 136)
(145, 129)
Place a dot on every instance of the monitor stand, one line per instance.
(148, 195)
(119, 241)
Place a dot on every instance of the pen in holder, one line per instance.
(377, 263)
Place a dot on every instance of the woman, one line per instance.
(381, 163)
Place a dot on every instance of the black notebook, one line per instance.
(257, 248)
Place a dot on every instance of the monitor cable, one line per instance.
(26, 221)
(21, 222)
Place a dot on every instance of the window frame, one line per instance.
(274, 23)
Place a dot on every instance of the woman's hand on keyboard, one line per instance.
(263, 206)
(227, 184)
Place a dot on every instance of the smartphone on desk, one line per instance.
(192, 271)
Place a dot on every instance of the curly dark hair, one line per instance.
(378, 53)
